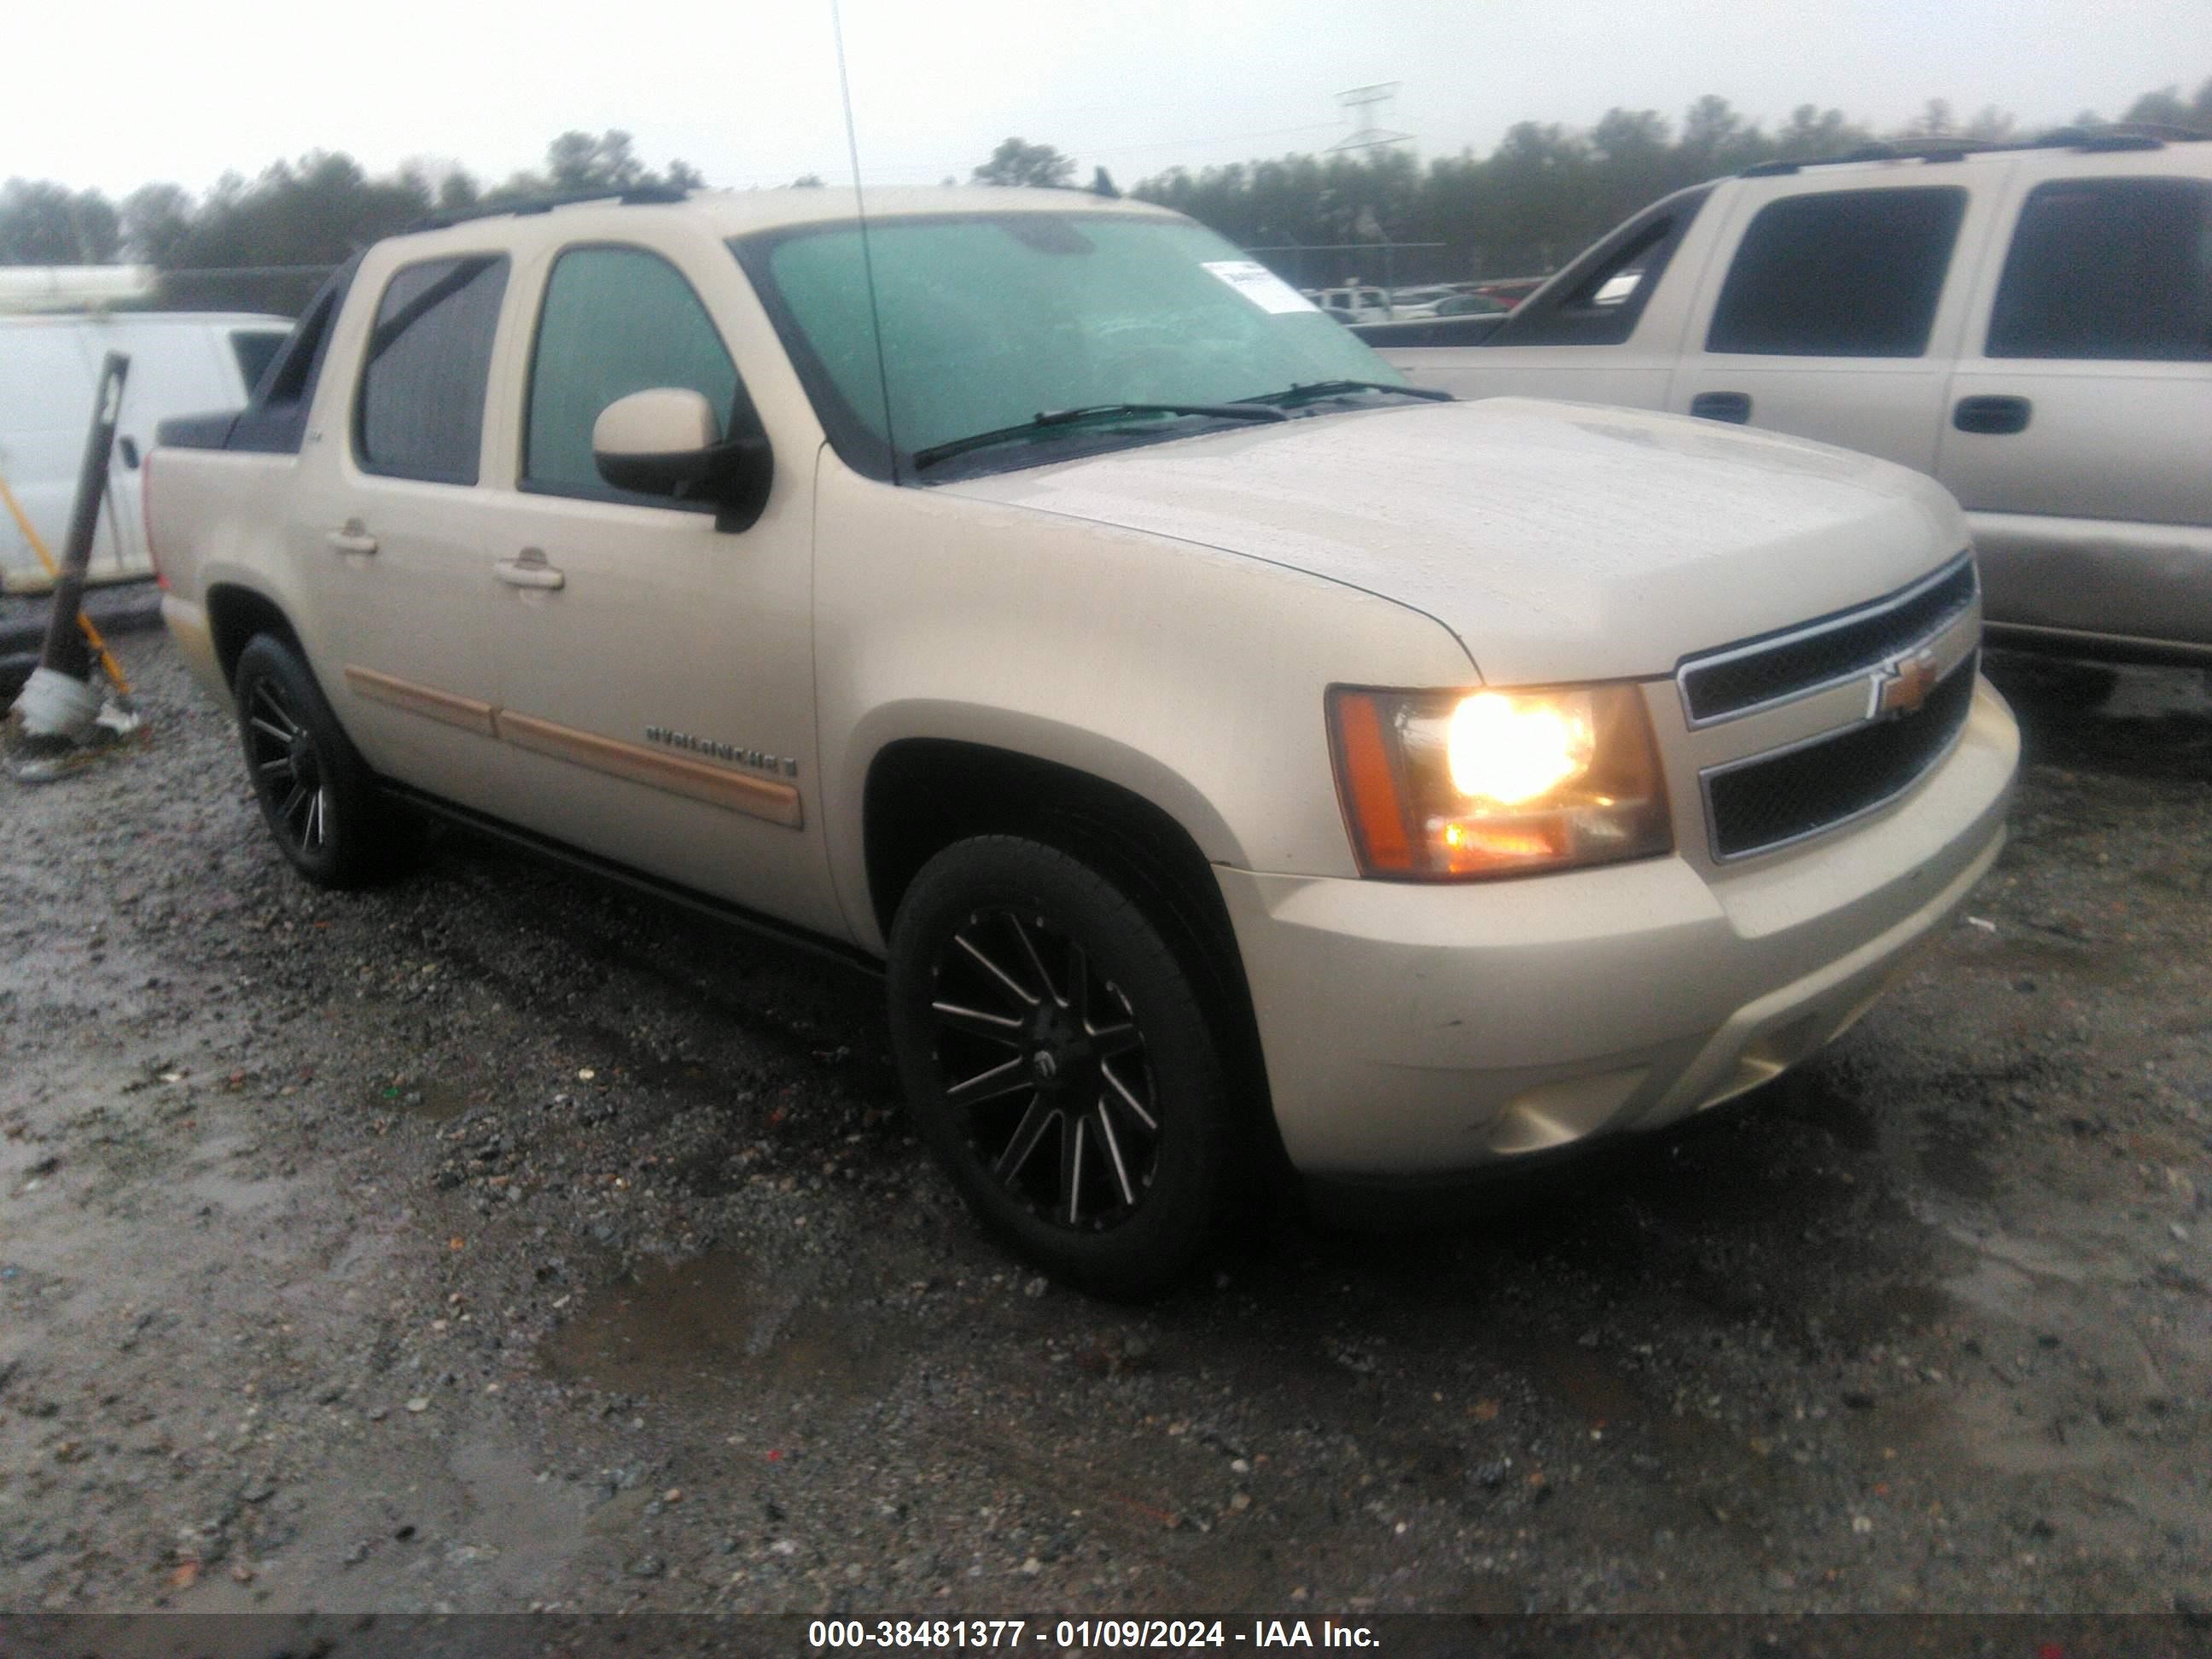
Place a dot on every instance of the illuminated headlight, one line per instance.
(1453, 784)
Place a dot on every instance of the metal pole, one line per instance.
(65, 649)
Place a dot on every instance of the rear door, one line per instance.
(389, 535)
(2080, 429)
(1840, 312)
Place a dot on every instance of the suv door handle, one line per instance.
(528, 568)
(354, 538)
(1732, 406)
(1994, 416)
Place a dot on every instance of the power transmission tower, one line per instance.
(1367, 108)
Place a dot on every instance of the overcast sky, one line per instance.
(112, 95)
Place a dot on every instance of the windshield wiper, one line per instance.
(1310, 391)
(1054, 417)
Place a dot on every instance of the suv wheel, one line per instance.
(316, 795)
(1058, 1062)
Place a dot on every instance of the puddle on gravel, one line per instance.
(432, 1099)
(719, 1318)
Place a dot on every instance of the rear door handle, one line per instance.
(1731, 406)
(353, 538)
(528, 568)
(1996, 416)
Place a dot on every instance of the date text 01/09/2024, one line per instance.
(1087, 1634)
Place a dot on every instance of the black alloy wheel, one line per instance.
(1058, 1063)
(287, 773)
(317, 797)
(1045, 1058)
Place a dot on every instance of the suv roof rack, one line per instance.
(2119, 136)
(635, 196)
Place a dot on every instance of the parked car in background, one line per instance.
(1477, 304)
(1235, 756)
(181, 361)
(1355, 304)
(1510, 291)
(2032, 326)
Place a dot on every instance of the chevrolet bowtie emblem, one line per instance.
(1902, 684)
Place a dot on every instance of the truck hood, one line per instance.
(1557, 541)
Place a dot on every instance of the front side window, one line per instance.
(1853, 273)
(615, 320)
(988, 320)
(422, 400)
(2108, 268)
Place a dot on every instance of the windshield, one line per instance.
(991, 319)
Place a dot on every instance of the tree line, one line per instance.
(264, 244)
(1545, 192)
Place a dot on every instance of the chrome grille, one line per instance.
(1771, 801)
(1761, 673)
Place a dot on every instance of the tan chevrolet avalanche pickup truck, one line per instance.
(1236, 756)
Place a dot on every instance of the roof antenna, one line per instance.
(867, 261)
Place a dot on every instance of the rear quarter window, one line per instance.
(255, 348)
(1853, 273)
(2108, 268)
(420, 413)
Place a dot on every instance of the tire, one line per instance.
(1058, 1060)
(316, 794)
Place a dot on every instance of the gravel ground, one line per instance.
(498, 1241)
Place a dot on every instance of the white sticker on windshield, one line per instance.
(1260, 285)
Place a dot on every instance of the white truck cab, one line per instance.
(181, 363)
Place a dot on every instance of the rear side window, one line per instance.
(615, 320)
(421, 413)
(2112, 268)
(1853, 273)
(255, 348)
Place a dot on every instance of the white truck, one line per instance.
(50, 358)
(2031, 326)
(1234, 756)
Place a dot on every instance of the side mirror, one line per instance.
(668, 442)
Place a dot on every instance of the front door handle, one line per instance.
(528, 568)
(1731, 406)
(352, 538)
(1997, 416)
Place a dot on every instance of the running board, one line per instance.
(721, 910)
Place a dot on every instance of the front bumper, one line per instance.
(1416, 1030)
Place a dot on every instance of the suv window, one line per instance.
(1853, 273)
(615, 320)
(255, 350)
(421, 414)
(2108, 268)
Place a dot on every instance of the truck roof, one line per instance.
(739, 212)
(2119, 140)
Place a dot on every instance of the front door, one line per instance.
(658, 671)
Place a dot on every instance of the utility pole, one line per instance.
(1367, 108)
